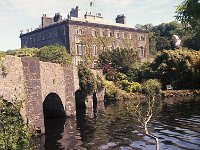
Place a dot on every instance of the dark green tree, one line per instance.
(119, 59)
(178, 68)
(188, 12)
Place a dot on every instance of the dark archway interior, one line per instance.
(53, 107)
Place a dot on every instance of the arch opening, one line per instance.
(53, 107)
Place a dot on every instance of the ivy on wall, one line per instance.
(101, 38)
(2, 67)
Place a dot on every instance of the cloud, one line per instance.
(23, 14)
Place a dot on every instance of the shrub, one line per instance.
(130, 86)
(87, 80)
(54, 54)
(31, 52)
(151, 87)
(100, 83)
(120, 76)
(13, 132)
(2, 67)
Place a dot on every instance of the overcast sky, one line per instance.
(16, 15)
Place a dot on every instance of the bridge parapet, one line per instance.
(32, 80)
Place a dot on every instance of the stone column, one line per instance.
(33, 102)
(70, 107)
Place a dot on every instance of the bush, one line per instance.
(54, 54)
(30, 52)
(87, 80)
(13, 132)
(120, 76)
(100, 83)
(151, 87)
(112, 91)
(130, 86)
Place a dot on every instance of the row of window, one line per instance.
(44, 36)
(117, 35)
(81, 48)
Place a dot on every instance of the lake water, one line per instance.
(116, 126)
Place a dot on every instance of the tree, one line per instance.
(178, 68)
(119, 59)
(189, 13)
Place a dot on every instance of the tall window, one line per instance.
(80, 49)
(94, 50)
(141, 51)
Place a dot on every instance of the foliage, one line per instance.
(109, 72)
(52, 53)
(192, 39)
(120, 76)
(100, 83)
(119, 59)
(13, 132)
(151, 87)
(130, 86)
(87, 80)
(189, 13)
(178, 68)
(113, 92)
(55, 54)
(30, 52)
(2, 67)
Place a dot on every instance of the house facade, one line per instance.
(88, 36)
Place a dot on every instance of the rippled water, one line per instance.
(177, 126)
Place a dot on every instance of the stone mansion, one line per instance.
(91, 34)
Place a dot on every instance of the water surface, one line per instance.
(114, 126)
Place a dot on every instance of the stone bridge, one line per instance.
(47, 89)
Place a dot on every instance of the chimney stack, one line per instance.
(46, 21)
(57, 17)
(74, 12)
(121, 19)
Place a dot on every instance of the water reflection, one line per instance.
(115, 127)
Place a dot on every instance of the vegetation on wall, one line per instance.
(51, 53)
(13, 132)
(55, 54)
(87, 80)
(88, 83)
(2, 67)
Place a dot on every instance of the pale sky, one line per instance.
(16, 15)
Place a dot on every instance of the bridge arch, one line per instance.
(53, 107)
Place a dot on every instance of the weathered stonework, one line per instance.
(33, 101)
(31, 80)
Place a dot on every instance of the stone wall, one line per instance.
(12, 85)
(33, 101)
(31, 80)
